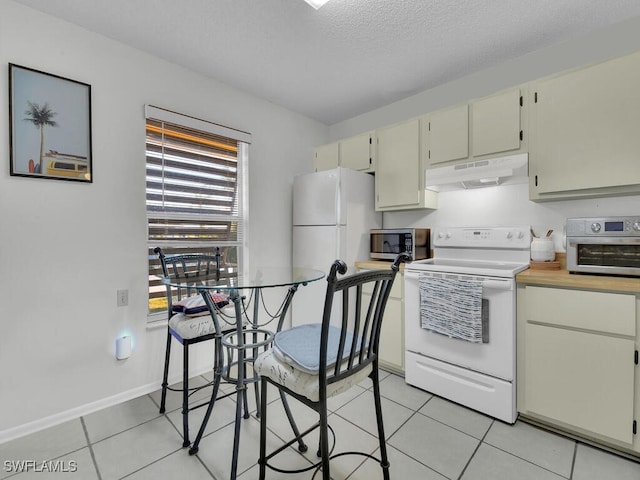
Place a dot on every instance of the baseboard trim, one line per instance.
(77, 412)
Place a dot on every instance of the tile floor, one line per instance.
(429, 438)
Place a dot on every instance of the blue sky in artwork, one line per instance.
(69, 100)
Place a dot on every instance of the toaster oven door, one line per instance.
(604, 255)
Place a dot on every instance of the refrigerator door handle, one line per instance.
(338, 203)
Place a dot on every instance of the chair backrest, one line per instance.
(363, 297)
(185, 266)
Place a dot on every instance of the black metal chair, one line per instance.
(189, 329)
(312, 363)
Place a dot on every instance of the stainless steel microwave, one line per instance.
(387, 243)
(604, 245)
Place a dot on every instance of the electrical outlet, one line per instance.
(123, 298)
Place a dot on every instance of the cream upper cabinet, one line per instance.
(326, 157)
(447, 135)
(358, 153)
(576, 361)
(586, 132)
(495, 126)
(400, 170)
(484, 128)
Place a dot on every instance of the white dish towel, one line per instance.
(453, 306)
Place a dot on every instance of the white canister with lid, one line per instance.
(543, 249)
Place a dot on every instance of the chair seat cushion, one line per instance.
(195, 306)
(300, 346)
(268, 364)
(189, 327)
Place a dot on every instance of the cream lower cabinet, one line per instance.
(577, 370)
(391, 354)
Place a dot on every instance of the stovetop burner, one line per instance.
(501, 251)
(471, 267)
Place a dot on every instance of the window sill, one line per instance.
(156, 321)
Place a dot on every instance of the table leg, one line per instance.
(256, 311)
(241, 390)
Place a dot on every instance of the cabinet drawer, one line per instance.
(613, 313)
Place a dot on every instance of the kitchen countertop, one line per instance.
(376, 264)
(562, 278)
(551, 278)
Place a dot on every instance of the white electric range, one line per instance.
(460, 316)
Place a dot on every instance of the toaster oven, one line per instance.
(604, 245)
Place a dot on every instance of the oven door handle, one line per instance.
(494, 284)
(487, 283)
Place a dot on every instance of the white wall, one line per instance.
(67, 247)
(508, 204)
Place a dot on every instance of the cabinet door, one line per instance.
(495, 124)
(326, 157)
(391, 353)
(392, 336)
(586, 126)
(392, 331)
(398, 175)
(581, 379)
(448, 135)
(357, 152)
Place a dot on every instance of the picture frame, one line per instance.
(50, 126)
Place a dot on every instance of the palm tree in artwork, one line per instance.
(40, 116)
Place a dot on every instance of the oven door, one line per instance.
(496, 357)
(605, 255)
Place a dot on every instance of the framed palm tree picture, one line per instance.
(50, 126)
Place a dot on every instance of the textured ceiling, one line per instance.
(350, 56)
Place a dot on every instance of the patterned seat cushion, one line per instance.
(269, 364)
(189, 327)
(195, 305)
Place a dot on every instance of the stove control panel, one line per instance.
(516, 237)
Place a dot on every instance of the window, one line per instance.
(195, 192)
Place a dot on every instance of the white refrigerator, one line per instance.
(333, 211)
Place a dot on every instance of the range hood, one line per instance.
(481, 173)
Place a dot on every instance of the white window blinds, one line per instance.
(193, 191)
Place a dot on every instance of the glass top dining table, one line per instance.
(256, 278)
(248, 334)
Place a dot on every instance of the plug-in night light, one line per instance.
(123, 347)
